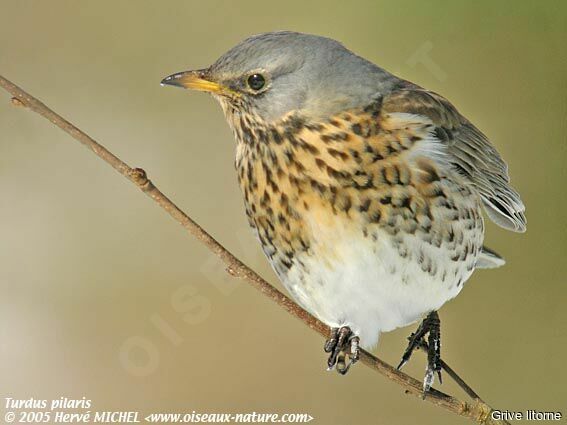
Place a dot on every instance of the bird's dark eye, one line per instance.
(256, 82)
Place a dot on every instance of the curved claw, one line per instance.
(344, 349)
(332, 341)
(430, 327)
(428, 381)
(342, 365)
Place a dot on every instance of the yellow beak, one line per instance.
(195, 80)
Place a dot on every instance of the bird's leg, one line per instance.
(432, 326)
(434, 349)
(415, 340)
(343, 346)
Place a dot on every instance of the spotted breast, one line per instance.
(360, 215)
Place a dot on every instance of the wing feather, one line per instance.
(469, 152)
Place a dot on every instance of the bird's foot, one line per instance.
(431, 327)
(343, 346)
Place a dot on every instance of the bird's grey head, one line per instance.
(271, 74)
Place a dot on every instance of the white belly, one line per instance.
(351, 280)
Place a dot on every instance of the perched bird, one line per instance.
(364, 189)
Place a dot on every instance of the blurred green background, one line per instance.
(104, 296)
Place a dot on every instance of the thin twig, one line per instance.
(477, 410)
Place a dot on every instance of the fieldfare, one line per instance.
(365, 190)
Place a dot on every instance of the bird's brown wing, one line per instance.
(468, 151)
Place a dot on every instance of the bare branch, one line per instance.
(477, 410)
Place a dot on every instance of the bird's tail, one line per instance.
(488, 259)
